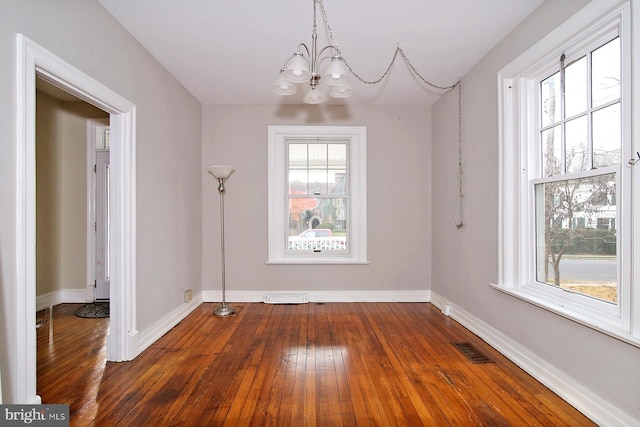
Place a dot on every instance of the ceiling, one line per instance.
(230, 51)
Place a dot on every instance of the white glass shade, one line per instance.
(314, 96)
(297, 69)
(336, 72)
(282, 86)
(342, 91)
(221, 171)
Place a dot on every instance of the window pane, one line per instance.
(575, 88)
(297, 182)
(552, 151)
(337, 184)
(297, 156)
(550, 98)
(318, 156)
(606, 73)
(606, 136)
(337, 156)
(317, 182)
(576, 150)
(576, 236)
(318, 224)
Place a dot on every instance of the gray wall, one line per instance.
(169, 179)
(399, 203)
(465, 261)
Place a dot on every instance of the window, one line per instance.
(317, 194)
(565, 186)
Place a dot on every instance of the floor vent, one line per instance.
(472, 353)
(283, 298)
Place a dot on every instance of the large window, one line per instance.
(317, 194)
(578, 157)
(565, 184)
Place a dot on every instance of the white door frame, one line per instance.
(122, 341)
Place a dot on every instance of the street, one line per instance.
(588, 269)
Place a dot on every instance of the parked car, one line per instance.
(316, 232)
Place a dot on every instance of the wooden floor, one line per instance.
(334, 364)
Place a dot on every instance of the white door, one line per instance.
(102, 224)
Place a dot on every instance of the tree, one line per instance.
(570, 205)
(565, 202)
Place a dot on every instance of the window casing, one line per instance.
(317, 194)
(565, 182)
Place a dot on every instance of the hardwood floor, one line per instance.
(334, 364)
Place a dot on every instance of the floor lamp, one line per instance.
(221, 173)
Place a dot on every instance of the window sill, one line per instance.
(612, 331)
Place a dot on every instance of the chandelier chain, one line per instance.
(397, 52)
(326, 23)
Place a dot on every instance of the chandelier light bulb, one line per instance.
(336, 73)
(282, 86)
(314, 96)
(297, 69)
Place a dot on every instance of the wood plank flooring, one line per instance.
(333, 364)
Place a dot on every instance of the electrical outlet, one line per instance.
(188, 294)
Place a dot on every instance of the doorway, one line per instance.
(122, 342)
(70, 186)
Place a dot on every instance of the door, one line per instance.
(102, 225)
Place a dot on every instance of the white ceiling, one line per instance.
(230, 51)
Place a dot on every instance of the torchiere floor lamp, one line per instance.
(221, 173)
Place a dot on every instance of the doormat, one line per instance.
(94, 310)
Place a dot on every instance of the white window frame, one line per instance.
(518, 100)
(277, 207)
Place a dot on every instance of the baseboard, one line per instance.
(323, 296)
(150, 335)
(593, 406)
(61, 296)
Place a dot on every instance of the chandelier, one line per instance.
(302, 67)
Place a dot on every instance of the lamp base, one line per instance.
(223, 310)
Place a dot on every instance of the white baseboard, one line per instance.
(324, 296)
(150, 335)
(61, 296)
(593, 406)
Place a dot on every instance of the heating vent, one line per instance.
(283, 298)
(472, 353)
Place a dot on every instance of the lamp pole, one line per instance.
(221, 173)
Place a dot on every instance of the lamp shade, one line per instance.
(342, 91)
(282, 86)
(221, 171)
(336, 73)
(297, 69)
(314, 96)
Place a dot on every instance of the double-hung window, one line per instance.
(317, 194)
(565, 184)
